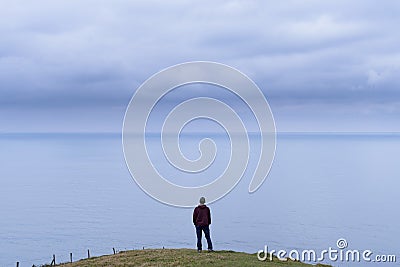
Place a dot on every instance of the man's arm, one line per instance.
(195, 212)
(209, 216)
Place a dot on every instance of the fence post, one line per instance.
(88, 254)
(17, 263)
(114, 250)
(70, 256)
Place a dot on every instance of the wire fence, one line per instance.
(52, 261)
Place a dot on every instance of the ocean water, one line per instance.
(67, 193)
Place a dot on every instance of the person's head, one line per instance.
(202, 200)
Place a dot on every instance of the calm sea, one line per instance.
(67, 193)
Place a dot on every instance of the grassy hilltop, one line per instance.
(180, 257)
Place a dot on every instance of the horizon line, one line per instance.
(201, 132)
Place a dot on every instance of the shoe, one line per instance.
(210, 250)
(199, 251)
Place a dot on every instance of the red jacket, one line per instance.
(201, 216)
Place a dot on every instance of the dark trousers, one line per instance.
(206, 230)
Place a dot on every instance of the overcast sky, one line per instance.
(72, 66)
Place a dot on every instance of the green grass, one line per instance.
(181, 257)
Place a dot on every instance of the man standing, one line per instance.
(202, 220)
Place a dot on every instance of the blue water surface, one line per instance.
(63, 193)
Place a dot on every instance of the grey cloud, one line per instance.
(88, 53)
